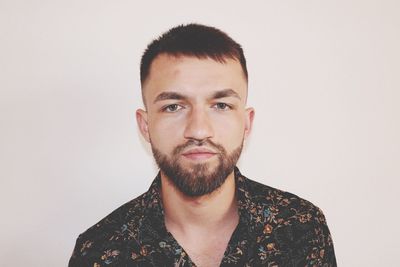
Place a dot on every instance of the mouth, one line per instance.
(199, 154)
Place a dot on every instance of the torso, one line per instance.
(206, 251)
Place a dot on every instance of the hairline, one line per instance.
(222, 60)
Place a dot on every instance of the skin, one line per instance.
(187, 98)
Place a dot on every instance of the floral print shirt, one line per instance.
(275, 228)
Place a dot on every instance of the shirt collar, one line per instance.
(154, 212)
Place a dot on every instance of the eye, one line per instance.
(222, 106)
(172, 108)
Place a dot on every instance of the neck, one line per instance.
(213, 211)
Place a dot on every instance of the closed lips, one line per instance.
(199, 154)
(198, 151)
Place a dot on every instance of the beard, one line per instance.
(201, 178)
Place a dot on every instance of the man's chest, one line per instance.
(207, 254)
(204, 253)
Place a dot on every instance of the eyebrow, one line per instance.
(169, 95)
(225, 93)
(177, 96)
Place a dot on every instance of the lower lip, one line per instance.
(199, 156)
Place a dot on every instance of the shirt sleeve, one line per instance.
(320, 251)
(77, 257)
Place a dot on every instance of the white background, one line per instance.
(324, 80)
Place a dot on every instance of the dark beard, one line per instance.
(198, 180)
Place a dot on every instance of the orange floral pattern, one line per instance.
(276, 228)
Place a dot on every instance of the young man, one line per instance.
(200, 210)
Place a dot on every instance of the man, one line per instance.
(200, 210)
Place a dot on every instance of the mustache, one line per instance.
(199, 143)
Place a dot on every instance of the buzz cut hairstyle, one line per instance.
(193, 40)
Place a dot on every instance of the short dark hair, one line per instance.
(193, 40)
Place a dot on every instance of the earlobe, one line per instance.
(141, 119)
(249, 121)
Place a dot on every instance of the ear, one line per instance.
(249, 121)
(141, 118)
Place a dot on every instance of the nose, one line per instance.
(198, 126)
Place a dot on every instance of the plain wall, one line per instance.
(324, 80)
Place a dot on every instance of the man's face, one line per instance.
(195, 120)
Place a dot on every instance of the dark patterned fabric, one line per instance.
(275, 228)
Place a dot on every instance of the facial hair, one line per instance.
(200, 178)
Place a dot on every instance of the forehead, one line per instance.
(193, 76)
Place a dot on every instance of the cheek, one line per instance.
(230, 130)
(164, 134)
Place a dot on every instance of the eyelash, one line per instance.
(178, 107)
(227, 106)
(165, 109)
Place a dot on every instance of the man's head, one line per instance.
(194, 87)
(192, 40)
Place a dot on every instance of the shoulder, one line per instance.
(291, 229)
(105, 241)
(116, 222)
(282, 203)
(280, 208)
